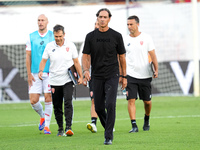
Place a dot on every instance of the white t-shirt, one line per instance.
(137, 55)
(61, 58)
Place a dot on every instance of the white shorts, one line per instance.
(40, 86)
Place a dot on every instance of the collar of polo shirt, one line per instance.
(65, 41)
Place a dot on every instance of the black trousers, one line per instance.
(105, 94)
(58, 93)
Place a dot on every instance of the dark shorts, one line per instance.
(141, 87)
(91, 89)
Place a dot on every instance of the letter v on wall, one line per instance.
(184, 81)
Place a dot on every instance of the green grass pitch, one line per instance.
(174, 121)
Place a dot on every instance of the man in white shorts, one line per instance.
(34, 49)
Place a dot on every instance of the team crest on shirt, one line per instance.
(53, 50)
(141, 42)
(128, 44)
(67, 49)
(42, 42)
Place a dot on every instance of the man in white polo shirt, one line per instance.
(62, 54)
(139, 46)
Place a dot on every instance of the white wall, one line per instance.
(169, 24)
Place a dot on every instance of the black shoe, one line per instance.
(134, 129)
(146, 125)
(60, 132)
(108, 142)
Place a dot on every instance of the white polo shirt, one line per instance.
(137, 55)
(61, 58)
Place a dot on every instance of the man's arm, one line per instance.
(120, 69)
(86, 66)
(155, 62)
(42, 65)
(122, 61)
(79, 70)
(28, 68)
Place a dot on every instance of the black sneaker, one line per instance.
(134, 129)
(146, 125)
(108, 142)
(61, 133)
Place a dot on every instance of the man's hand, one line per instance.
(120, 80)
(30, 79)
(124, 83)
(80, 80)
(85, 82)
(155, 75)
(40, 75)
(87, 75)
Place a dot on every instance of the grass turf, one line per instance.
(174, 125)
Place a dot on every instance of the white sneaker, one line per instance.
(92, 127)
(113, 129)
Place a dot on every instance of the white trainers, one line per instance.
(92, 127)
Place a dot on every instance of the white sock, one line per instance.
(48, 113)
(38, 108)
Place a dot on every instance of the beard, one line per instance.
(42, 28)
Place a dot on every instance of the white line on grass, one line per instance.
(161, 117)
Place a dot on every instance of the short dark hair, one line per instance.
(104, 9)
(134, 17)
(58, 27)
